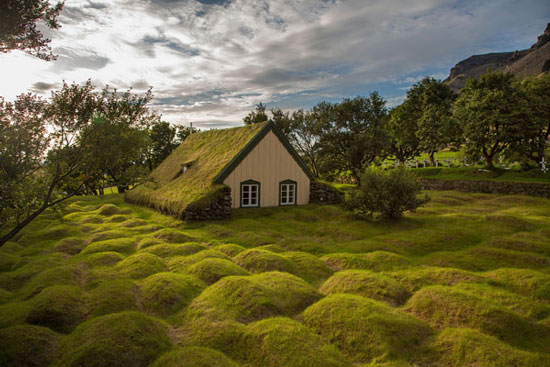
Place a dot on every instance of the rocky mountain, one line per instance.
(532, 61)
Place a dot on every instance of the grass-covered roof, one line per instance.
(206, 154)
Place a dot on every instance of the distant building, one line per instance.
(213, 171)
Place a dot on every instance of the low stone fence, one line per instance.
(489, 187)
(322, 193)
(219, 207)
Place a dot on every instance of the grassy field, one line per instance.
(464, 281)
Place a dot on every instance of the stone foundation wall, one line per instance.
(490, 187)
(216, 208)
(322, 193)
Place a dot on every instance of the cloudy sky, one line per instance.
(210, 61)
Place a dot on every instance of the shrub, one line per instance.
(119, 339)
(194, 357)
(365, 329)
(211, 270)
(367, 284)
(60, 307)
(27, 346)
(165, 293)
(281, 341)
(141, 265)
(387, 195)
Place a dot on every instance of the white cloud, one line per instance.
(211, 63)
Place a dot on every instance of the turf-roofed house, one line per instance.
(217, 170)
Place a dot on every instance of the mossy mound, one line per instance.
(27, 346)
(225, 335)
(376, 261)
(8, 262)
(60, 307)
(449, 307)
(113, 296)
(141, 265)
(259, 261)
(5, 295)
(414, 279)
(108, 210)
(525, 306)
(108, 258)
(310, 267)
(524, 243)
(272, 247)
(470, 348)
(133, 222)
(14, 279)
(120, 339)
(528, 282)
(367, 284)
(165, 293)
(180, 264)
(118, 219)
(70, 245)
(252, 298)
(365, 329)
(174, 249)
(147, 242)
(281, 341)
(121, 245)
(230, 249)
(171, 235)
(59, 275)
(107, 235)
(194, 357)
(211, 270)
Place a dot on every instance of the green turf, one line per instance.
(464, 281)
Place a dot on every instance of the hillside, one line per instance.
(532, 61)
(464, 281)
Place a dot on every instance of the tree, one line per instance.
(494, 114)
(386, 195)
(430, 103)
(66, 146)
(537, 94)
(354, 131)
(403, 129)
(163, 142)
(18, 26)
(183, 133)
(256, 116)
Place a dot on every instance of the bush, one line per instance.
(386, 195)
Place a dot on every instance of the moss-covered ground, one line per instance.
(464, 281)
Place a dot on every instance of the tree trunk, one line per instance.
(432, 159)
(22, 225)
(489, 162)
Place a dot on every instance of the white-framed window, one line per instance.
(250, 194)
(287, 193)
